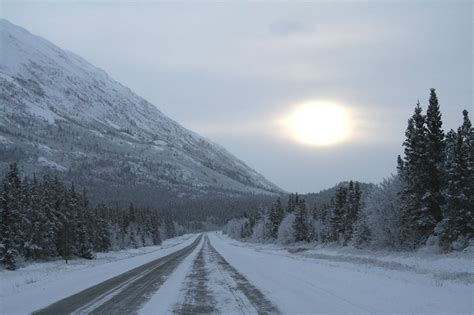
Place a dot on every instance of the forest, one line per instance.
(430, 201)
(43, 219)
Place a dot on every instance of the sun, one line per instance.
(318, 123)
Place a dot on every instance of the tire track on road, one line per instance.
(198, 299)
(125, 293)
(258, 300)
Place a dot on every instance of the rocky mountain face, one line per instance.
(60, 113)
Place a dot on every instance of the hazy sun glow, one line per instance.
(318, 123)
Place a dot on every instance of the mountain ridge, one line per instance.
(61, 113)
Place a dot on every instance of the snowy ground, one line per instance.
(225, 276)
(306, 283)
(455, 266)
(44, 283)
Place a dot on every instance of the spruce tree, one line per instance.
(435, 157)
(468, 134)
(337, 228)
(269, 222)
(10, 232)
(458, 211)
(33, 227)
(351, 210)
(361, 234)
(276, 216)
(291, 203)
(50, 227)
(300, 225)
(102, 241)
(400, 166)
(170, 231)
(417, 217)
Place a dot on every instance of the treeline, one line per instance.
(339, 221)
(429, 202)
(42, 219)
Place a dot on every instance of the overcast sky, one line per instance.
(230, 70)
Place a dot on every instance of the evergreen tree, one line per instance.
(400, 166)
(468, 134)
(10, 237)
(292, 201)
(50, 227)
(337, 217)
(458, 222)
(32, 226)
(361, 234)
(85, 248)
(351, 210)
(435, 157)
(300, 225)
(169, 226)
(276, 216)
(418, 219)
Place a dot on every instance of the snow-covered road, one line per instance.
(38, 285)
(209, 284)
(221, 275)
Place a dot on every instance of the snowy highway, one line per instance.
(124, 293)
(212, 273)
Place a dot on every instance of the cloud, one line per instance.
(227, 69)
(287, 27)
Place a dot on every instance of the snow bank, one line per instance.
(457, 266)
(299, 283)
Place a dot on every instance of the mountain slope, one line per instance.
(58, 112)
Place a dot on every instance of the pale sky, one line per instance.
(231, 71)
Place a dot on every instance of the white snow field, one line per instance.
(39, 284)
(298, 284)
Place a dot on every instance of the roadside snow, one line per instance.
(44, 283)
(456, 266)
(300, 284)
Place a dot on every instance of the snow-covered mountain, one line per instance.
(58, 112)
